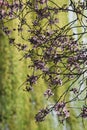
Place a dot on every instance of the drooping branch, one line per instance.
(56, 56)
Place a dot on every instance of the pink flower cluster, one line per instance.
(48, 93)
(62, 111)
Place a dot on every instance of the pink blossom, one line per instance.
(48, 93)
(66, 112)
(43, 1)
(1, 2)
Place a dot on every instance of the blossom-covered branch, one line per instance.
(56, 56)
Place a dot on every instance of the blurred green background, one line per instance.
(17, 107)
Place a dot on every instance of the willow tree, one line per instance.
(53, 52)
